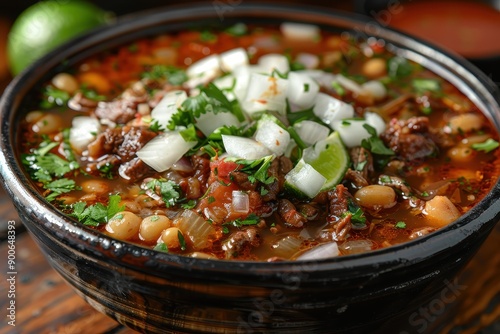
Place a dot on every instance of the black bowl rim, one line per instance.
(57, 224)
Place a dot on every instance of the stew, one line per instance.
(263, 143)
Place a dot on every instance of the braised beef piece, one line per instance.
(118, 146)
(354, 179)
(362, 160)
(241, 242)
(288, 212)
(124, 108)
(339, 219)
(201, 166)
(410, 139)
(278, 169)
(81, 103)
(241, 179)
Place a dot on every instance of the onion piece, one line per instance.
(203, 71)
(352, 131)
(349, 84)
(244, 148)
(233, 59)
(168, 106)
(240, 202)
(209, 122)
(274, 61)
(305, 178)
(272, 136)
(330, 109)
(242, 75)
(161, 152)
(195, 228)
(265, 93)
(374, 88)
(302, 90)
(323, 251)
(301, 31)
(311, 132)
(376, 121)
(226, 84)
(83, 131)
(309, 60)
(357, 246)
(287, 246)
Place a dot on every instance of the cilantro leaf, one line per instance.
(256, 169)
(53, 97)
(98, 213)
(398, 67)
(168, 190)
(400, 224)
(59, 187)
(358, 218)
(239, 29)
(424, 85)
(374, 144)
(172, 74)
(251, 219)
(486, 146)
(161, 247)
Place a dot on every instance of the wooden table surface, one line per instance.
(46, 304)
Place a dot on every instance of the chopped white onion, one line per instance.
(161, 152)
(272, 136)
(240, 202)
(302, 90)
(265, 93)
(168, 106)
(351, 131)
(305, 178)
(197, 229)
(287, 246)
(203, 71)
(356, 246)
(233, 59)
(208, 122)
(242, 75)
(274, 61)
(244, 148)
(330, 109)
(374, 88)
(309, 60)
(300, 31)
(376, 121)
(323, 251)
(226, 84)
(83, 131)
(311, 132)
(349, 84)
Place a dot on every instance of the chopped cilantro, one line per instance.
(189, 205)
(91, 94)
(207, 36)
(182, 241)
(257, 169)
(251, 219)
(358, 218)
(161, 247)
(53, 97)
(97, 214)
(486, 146)
(338, 88)
(172, 74)
(239, 29)
(168, 190)
(106, 170)
(424, 85)
(374, 144)
(58, 187)
(211, 199)
(398, 67)
(400, 224)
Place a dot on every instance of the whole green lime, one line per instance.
(46, 25)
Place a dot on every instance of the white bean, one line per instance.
(376, 197)
(124, 225)
(47, 124)
(440, 211)
(95, 186)
(374, 68)
(153, 226)
(171, 237)
(65, 82)
(465, 123)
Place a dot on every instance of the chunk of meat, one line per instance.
(362, 160)
(278, 169)
(134, 170)
(288, 212)
(118, 147)
(240, 242)
(339, 219)
(410, 139)
(81, 103)
(124, 108)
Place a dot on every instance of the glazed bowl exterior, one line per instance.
(157, 292)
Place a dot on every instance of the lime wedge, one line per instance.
(321, 168)
(330, 158)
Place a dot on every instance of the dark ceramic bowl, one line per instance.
(157, 292)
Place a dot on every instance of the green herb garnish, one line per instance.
(486, 146)
(98, 213)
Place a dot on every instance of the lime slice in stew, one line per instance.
(327, 157)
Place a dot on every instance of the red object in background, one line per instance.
(468, 28)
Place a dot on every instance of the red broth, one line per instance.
(422, 153)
